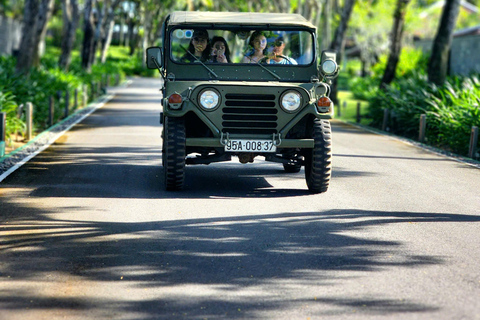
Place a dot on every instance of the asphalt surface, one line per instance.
(87, 231)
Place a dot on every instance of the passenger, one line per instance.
(199, 47)
(258, 43)
(276, 57)
(220, 51)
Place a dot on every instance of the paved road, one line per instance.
(88, 233)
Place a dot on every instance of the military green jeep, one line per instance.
(244, 85)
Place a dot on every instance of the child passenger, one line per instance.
(220, 51)
(258, 42)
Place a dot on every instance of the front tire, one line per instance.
(174, 153)
(318, 161)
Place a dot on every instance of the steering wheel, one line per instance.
(264, 59)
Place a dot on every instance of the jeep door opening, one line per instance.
(261, 89)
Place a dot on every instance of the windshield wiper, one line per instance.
(198, 60)
(269, 71)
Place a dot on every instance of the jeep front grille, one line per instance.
(250, 113)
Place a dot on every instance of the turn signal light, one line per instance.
(175, 101)
(324, 105)
(324, 102)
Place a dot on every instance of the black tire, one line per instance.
(174, 153)
(291, 168)
(318, 161)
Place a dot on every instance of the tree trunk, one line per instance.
(339, 36)
(36, 15)
(327, 18)
(146, 29)
(339, 41)
(98, 31)
(108, 31)
(25, 53)
(88, 36)
(121, 33)
(395, 43)
(132, 37)
(127, 34)
(438, 64)
(106, 41)
(71, 16)
(318, 13)
(43, 15)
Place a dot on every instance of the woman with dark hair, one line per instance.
(258, 46)
(199, 47)
(220, 51)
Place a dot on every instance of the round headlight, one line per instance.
(291, 101)
(329, 67)
(209, 99)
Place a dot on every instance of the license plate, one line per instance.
(245, 145)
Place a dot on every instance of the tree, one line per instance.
(395, 42)
(327, 15)
(339, 40)
(108, 30)
(12, 9)
(438, 64)
(71, 16)
(35, 18)
(88, 36)
(369, 26)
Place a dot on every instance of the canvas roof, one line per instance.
(238, 18)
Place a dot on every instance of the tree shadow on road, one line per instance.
(225, 260)
(136, 172)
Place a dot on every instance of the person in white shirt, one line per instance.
(277, 56)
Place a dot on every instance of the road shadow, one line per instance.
(136, 172)
(232, 254)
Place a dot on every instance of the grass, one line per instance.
(348, 108)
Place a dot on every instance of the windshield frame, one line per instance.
(235, 29)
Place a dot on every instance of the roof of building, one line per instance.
(439, 4)
(467, 31)
(238, 18)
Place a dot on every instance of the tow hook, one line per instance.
(246, 157)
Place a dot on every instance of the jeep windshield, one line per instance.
(284, 48)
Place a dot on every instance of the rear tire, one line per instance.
(318, 161)
(174, 153)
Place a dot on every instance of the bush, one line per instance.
(451, 109)
(412, 62)
(49, 80)
(14, 125)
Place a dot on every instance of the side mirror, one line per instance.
(154, 58)
(328, 65)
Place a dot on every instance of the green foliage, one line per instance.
(130, 65)
(451, 110)
(50, 81)
(370, 25)
(136, 67)
(411, 62)
(9, 106)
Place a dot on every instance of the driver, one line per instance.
(277, 56)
